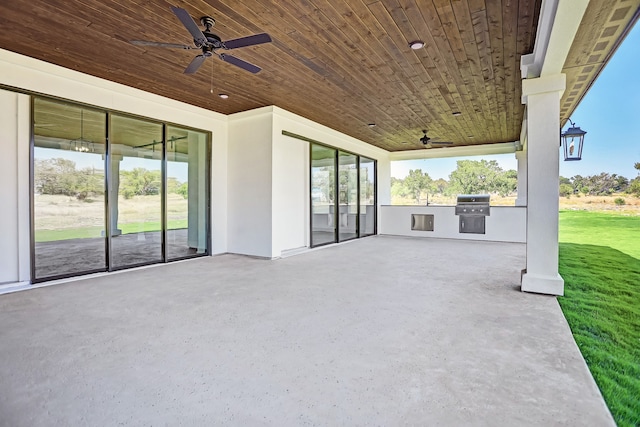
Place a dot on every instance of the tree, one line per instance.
(55, 176)
(439, 186)
(417, 182)
(90, 182)
(398, 188)
(579, 183)
(621, 183)
(634, 185)
(598, 185)
(475, 177)
(183, 190)
(139, 182)
(506, 182)
(564, 180)
(566, 190)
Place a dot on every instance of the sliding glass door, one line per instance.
(140, 198)
(135, 191)
(68, 189)
(187, 189)
(347, 196)
(343, 195)
(323, 189)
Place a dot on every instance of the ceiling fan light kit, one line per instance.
(209, 43)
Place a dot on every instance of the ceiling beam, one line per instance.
(469, 150)
(557, 28)
(565, 26)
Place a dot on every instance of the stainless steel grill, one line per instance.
(472, 210)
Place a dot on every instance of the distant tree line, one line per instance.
(469, 177)
(61, 177)
(603, 184)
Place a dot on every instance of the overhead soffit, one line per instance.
(343, 63)
(609, 22)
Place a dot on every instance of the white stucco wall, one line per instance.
(505, 224)
(249, 181)
(290, 219)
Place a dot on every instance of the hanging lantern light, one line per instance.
(572, 140)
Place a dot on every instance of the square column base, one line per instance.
(540, 284)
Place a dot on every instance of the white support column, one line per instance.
(542, 97)
(15, 232)
(521, 156)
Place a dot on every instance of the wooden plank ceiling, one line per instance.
(341, 63)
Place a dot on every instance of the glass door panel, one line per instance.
(347, 196)
(135, 199)
(68, 190)
(187, 193)
(323, 187)
(367, 196)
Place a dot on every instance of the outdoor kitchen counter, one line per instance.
(504, 224)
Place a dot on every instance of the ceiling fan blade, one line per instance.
(195, 64)
(441, 142)
(240, 63)
(247, 41)
(159, 44)
(190, 25)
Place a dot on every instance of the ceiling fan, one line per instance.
(428, 143)
(209, 43)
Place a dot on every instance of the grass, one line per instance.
(90, 232)
(601, 229)
(63, 217)
(600, 263)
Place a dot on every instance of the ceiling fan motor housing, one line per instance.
(425, 139)
(213, 39)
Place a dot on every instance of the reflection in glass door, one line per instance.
(347, 196)
(68, 190)
(187, 189)
(135, 191)
(141, 198)
(323, 187)
(367, 196)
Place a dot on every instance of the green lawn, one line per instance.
(89, 232)
(600, 263)
(602, 229)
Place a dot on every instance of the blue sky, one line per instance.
(609, 113)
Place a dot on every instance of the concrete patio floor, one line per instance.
(378, 331)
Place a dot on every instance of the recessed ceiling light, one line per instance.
(417, 44)
(456, 113)
(371, 125)
(223, 96)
